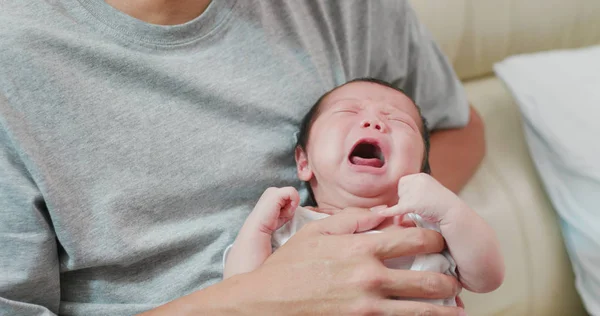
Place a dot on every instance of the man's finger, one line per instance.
(405, 308)
(346, 223)
(394, 210)
(419, 284)
(402, 242)
(459, 302)
(329, 211)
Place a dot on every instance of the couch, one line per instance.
(506, 190)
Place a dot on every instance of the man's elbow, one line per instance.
(477, 131)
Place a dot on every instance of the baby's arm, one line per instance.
(253, 243)
(474, 247)
(471, 241)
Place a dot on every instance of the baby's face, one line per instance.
(365, 138)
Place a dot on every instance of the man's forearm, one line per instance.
(215, 300)
(455, 154)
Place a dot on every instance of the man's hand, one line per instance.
(326, 269)
(328, 272)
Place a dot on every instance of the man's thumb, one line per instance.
(395, 210)
(348, 223)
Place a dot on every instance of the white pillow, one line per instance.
(558, 93)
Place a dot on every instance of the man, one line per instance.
(136, 136)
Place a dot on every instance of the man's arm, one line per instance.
(457, 143)
(456, 153)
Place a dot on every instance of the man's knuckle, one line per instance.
(417, 240)
(367, 277)
(359, 248)
(373, 280)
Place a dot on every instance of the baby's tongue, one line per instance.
(372, 162)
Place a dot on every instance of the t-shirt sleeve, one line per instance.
(225, 255)
(430, 79)
(29, 269)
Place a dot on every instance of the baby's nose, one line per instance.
(375, 124)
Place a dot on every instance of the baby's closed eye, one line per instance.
(347, 111)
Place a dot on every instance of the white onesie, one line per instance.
(442, 263)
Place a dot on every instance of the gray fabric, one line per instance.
(130, 154)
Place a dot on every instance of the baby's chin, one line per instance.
(369, 195)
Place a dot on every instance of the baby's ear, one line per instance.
(304, 171)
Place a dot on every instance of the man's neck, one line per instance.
(162, 12)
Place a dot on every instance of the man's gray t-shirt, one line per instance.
(130, 153)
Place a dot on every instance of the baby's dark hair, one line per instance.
(312, 114)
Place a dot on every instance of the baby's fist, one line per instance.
(423, 195)
(275, 207)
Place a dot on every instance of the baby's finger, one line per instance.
(288, 193)
(289, 199)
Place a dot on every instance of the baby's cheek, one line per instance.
(330, 153)
(325, 161)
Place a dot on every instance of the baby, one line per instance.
(365, 145)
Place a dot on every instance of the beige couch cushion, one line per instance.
(508, 194)
(477, 33)
(506, 191)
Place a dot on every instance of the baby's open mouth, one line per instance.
(367, 154)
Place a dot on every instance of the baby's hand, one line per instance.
(423, 195)
(252, 246)
(471, 241)
(275, 207)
